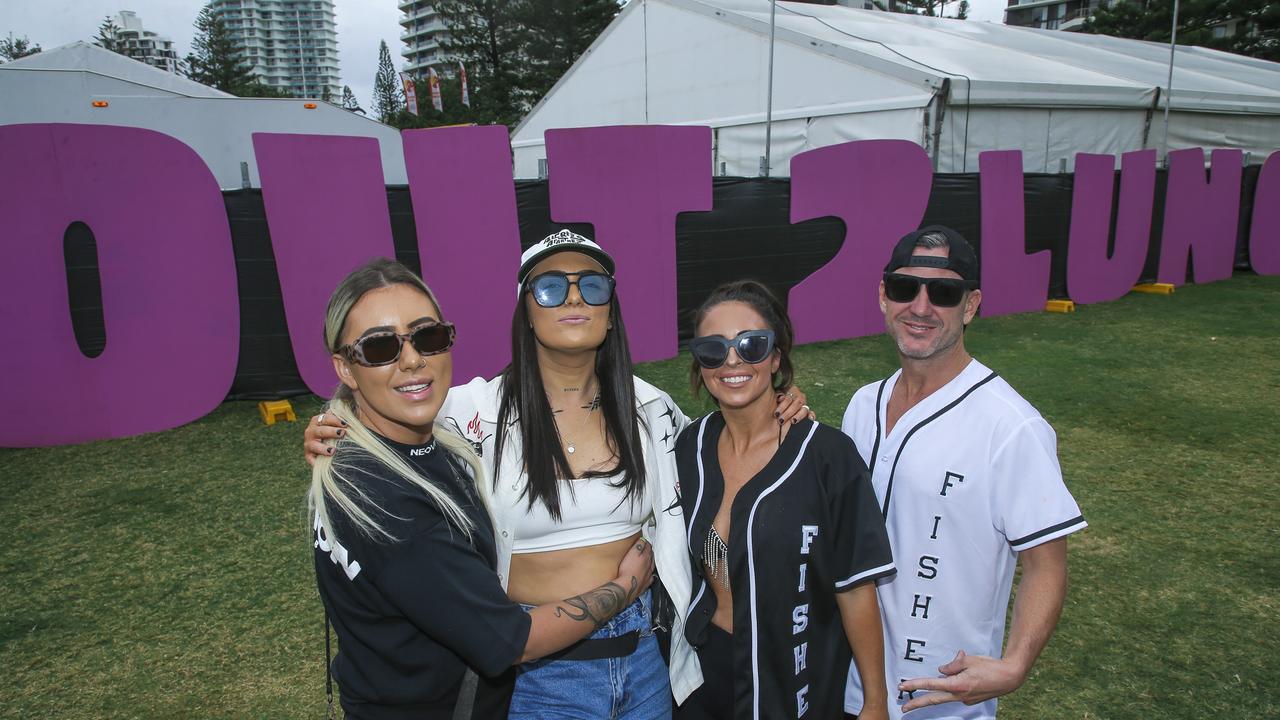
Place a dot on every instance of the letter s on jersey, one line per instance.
(799, 619)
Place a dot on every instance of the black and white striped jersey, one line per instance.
(804, 529)
(966, 480)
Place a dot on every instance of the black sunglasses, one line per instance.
(383, 348)
(752, 346)
(551, 288)
(943, 292)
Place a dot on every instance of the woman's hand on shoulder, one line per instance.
(321, 434)
(793, 406)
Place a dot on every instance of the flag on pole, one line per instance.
(410, 93)
(462, 73)
(434, 81)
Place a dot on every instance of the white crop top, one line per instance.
(594, 513)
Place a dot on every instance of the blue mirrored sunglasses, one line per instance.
(551, 289)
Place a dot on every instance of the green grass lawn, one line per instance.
(170, 576)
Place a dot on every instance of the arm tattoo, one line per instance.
(597, 606)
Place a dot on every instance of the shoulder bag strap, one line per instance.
(328, 673)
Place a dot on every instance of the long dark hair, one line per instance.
(760, 298)
(524, 403)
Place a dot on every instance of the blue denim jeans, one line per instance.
(636, 687)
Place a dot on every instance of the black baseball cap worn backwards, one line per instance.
(960, 258)
(564, 241)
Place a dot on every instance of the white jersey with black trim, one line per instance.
(966, 479)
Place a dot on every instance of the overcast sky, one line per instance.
(361, 24)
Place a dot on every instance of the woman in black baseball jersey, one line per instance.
(784, 528)
(404, 544)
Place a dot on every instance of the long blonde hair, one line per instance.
(331, 478)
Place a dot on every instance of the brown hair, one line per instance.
(761, 299)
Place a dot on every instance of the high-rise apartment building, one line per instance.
(423, 33)
(290, 45)
(143, 45)
(1050, 14)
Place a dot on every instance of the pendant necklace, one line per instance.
(568, 444)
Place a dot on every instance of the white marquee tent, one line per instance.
(61, 85)
(955, 87)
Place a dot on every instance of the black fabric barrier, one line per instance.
(746, 234)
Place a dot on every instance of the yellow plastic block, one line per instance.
(1062, 306)
(273, 410)
(1154, 288)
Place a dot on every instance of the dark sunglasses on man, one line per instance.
(752, 346)
(551, 288)
(383, 347)
(943, 292)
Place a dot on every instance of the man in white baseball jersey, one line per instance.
(967, 476)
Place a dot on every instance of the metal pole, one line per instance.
(768, 115)
(1168, 92)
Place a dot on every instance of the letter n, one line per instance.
(1093, 274)
(1201, 216)
(168, 276)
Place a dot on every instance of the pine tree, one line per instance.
(388, 98)
(515, 50)
(555, 33)
(487, 36)
(1256, 24)
(106, 37)
(12, 48)
(349, 101)
(216, 59)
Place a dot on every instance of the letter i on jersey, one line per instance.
(807, 533)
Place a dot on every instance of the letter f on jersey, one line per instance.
(807, 534)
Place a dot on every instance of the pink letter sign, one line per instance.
(1200, 217)
(1092, 275)
(1012, 280)
(879, 188)
(464, 206)
(1264, 234)
(168, 284)
(630, 182)
(326, 203)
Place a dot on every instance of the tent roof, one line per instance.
(985, 63)
(1006, 63)
(84, 57)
